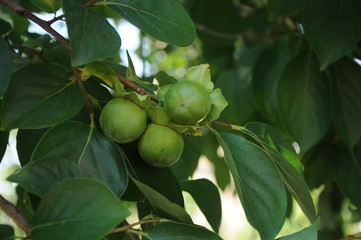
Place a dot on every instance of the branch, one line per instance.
(79, 82)
(135, 87)
(221, 35)
(127, 227)
(18, 9)
(28, 50)
(14, 213)
(20, 58)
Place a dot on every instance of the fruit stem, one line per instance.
(228, 125)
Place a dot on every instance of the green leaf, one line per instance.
(258, 184)
(180, 231)
(6, 232)
(162, 205)
(229, 80)
(309, 233)
(320, 163)
(79, 209)
(91, 35)
(4, 27)
(200, 74)
(71, 150)
(218, 104)
(275, 139)
(346, 76)
(267, 73)
(348, 175)
(304, 101)
(3, 143)
(208, 199)
(6, 66)
(293, 180)
(50, 6)
(278, 8)
(39, 95)
(335, 32)
(165, 20)
(26, 140)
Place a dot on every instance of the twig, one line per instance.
(135, 87)
(14, 213)
(127, 227)
(79, 82)
(20, 58)
(60, 17)
(221, 35)
(18, 9)
(28, 50)
(90, 3)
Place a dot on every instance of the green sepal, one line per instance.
(106, 74)
(219, 103)
(157, 115)
(162, 91)
(200, 74)
(132, 76)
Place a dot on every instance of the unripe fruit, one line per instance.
(160, 146)
(187, 102)
(122, 120)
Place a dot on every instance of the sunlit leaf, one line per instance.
(258, 184)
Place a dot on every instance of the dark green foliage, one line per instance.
(289, 70)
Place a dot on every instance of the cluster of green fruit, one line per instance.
(182, 108)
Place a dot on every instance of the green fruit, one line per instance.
(122, 120)
(187, 102)
(160, 146)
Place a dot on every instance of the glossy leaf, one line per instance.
(162, 205)
(283, 7)
(50, 6)
(85, 210)
(258, 184)
(180, 231)
(208, 199)
(278, 141)
(40, 95)
(335, 32)
(6, 66)
(91, 35)
(347, 101)
(71, 150)
(309, 233)
(304, 101)
(165, 20)
(291, 177)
